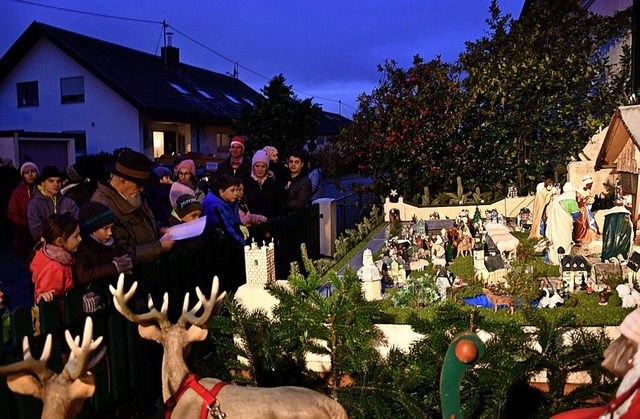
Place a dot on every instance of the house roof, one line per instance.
(625, 125)
(142, 79)
(332, 123)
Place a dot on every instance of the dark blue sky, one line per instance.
(325, 49)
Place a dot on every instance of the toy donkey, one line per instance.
(62, 394)
(186, 395)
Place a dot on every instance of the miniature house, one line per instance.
(575, 272)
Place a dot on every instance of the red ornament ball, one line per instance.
(466, 351)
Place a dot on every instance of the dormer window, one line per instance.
(205, 94)
(233, 99)
(72, 90)
(178, 88)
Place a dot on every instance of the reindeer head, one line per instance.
(175, 338)
(62, 394)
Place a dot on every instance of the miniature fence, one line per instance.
(122, 373)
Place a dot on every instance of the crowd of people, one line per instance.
(72, 239)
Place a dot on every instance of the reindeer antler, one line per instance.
(37, 367)
(120, 300)
(79, 362)
(189, 316)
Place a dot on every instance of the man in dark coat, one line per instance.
(236, 165)
(298, 186)
(135, 227)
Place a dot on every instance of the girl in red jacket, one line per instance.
(51, 265)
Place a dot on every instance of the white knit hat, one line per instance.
(178, 189)
(630, 326)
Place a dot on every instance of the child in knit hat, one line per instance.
(99, 257)
(188, 208)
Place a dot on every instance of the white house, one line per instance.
(64, 94)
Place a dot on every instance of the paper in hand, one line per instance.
(187, 230)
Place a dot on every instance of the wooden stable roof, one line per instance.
(623, 134)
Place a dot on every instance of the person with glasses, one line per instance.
(48, 200)
(185, 173)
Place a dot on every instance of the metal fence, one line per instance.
(351, 209)
(132, 365)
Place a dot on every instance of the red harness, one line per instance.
(208, 396)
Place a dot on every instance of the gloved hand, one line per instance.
(245, 232)
(91, 302)
(124, 264)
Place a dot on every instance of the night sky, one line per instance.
(327, 49)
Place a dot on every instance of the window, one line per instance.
(72, 89)
(28, 94)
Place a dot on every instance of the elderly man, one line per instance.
(236, 165)
(135, 226)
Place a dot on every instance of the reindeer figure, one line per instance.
(187, 396)
(62, 394)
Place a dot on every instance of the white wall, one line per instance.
(108, 120)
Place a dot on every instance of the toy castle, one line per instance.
(260, 265)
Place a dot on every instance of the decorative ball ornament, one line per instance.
(466, 351)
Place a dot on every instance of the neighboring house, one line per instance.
(63, 94)
(330, 125)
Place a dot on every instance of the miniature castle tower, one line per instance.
(260, 265)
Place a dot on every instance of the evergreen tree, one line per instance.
(279, 119)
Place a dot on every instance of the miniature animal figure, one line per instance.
(546, 300)
(465, 245)
(555, 300)
(62, 394)
(499, 300)
(624, 292)
(184, 393)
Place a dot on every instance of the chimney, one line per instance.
(170, 54)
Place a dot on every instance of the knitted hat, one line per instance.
(178, 189)
(28, 166)
(187, 164)
(93, 216)
(162, 171)
(49, 172)
(237, 140)
(260, 156)
(630, 326)
(272, 152)
(186, 204)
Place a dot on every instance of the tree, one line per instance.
(539, 87)
(405, 133)
(279, 119)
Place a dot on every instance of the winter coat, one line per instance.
(298, 192)
(266, 199)
(49, 274)
(223, 214)
(42, 207)
(135, 228)
(17, 214)
(240, 173)
(94, 261)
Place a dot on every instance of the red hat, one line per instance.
(237, 140)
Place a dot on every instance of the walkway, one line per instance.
(374, 245)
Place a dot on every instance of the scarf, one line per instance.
(58, 254)
(235, 164)
(261, 181)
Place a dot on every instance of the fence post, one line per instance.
(327, 207)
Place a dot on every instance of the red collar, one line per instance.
(208, 396)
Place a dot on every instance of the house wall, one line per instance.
(108, 120)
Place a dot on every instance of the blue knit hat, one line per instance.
(93, 216)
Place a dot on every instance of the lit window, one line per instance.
(28, 94)
(72, 89)
(178, 88)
